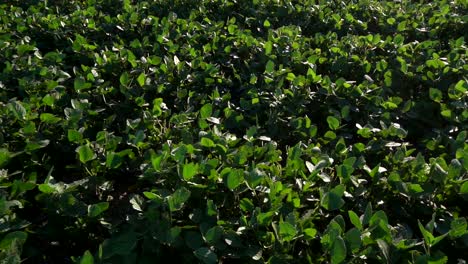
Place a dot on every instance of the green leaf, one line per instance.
(435, 94)
(367, 214)
(234, 179)
(48, 100)
(189, 170)
(113, 160)
(464, 188)
(141, 79)
(428, 237)
(12, 237)
(266, 23)
(87, 258)
(156, 161)
(353, 239)
(206, 255)
(5, 156)
(354, 218)
(124, 79)
(121, 244)
(264, 219)
(95, 210)
(178, 198)
(329, 135)
(246, 205)
(287, 231)
(49, 118)
(338, 250)
(446, 113)
(310, 232)
(332, 200)
(206, 111)
(85, 153)
(33, 145)
(458, 227)
(270, 67)
(74, 136)
(211, 209)
(333, 122)
(268, 47)
(213, 235)
(206, 142)
(80, 84)
(18, 109)
(46, 188)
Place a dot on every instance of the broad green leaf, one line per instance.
(234, 179)
(213, 235)
(189, 170)
(178, 198)
(354, 218)
(464, 188)
(206, 142)
(455, 169)
(85, 153)
(12, 237)
(194, 240)
(113, 160)
(206, 255)
(435, 94)
(266, 23)
(206, 111)
(329, 135)
(49, 118)
(150, 195)
(87, 258)
(310, 232)
(141, 79)
(233, 239)
(428, 237)
(80, 84)
(458, 227)
(156, 161)
(268, 47)
(367, 215)
(74, 136)
(446, 113)
(33, 145)
(5, 156)
(338, 251)
(95, 210)
(121, 244)
(353, 239)
(211, 209)
(124, 79)
(287, 231)
(246, 205)
(48, 100)
(344, 171)
(333, 200)
(18, 109)
(46, 188)
(264, 219)
(270, 67)
(333, 122)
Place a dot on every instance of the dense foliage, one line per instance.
(218, 131)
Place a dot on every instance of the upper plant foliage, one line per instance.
(233, 131)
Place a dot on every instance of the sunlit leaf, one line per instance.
(85, 153)
(95, 210)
